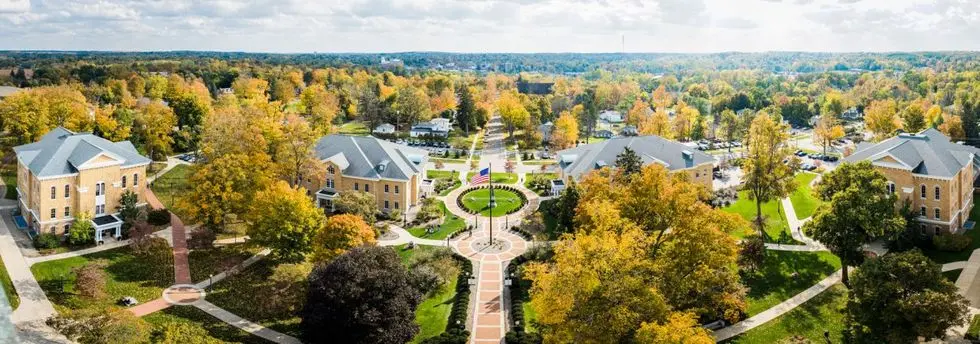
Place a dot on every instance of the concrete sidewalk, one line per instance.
(245, 325)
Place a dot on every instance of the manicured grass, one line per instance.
(448, 161)
(539, 162)
(437, 174)
(9, 176)
(354, 128)
(479, 201)
(127, 275)
(155, 167)
(242, 295)
(772, 211)
(825, 312)
(498, 177)
(406, 254)
(8, 287)
(213, 261)
(216, 329)
(529, 177)
(785, 274)
(452, 223)
(974, 330)
(953, 275)
(804, 201)
(529, 317)
(943, 257)
(432, 315)
(172, 187)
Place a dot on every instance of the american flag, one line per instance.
(482, 177)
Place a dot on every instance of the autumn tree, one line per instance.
(339, 234)
(683, 123)
(678, 328)
(251, 89)
(900, 297)
(90, 279)
(952, 127)
(512, 112)
(363, 296)
(153, 126)
(657, 124)
(833, 103)
(730, 127)
(113, 123)
(225, 186)
(827, 131)
(283, 219)
(638, 113)
(565, 132)
(411, 106)
(25, 117)
(661, 98)
(881, 118)
(296, 155)
(766, 177)
(913, 118)
(858, 208)
(362, 204)
(319, 107)
(934, 116)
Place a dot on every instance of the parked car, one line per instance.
(800, 153)
(830, 158)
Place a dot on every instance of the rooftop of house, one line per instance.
(651, 148)
(928, 152)
(371, 158)
(62, 152)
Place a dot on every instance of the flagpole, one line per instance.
(490, 179)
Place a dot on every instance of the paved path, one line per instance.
(182, 271)
(234, 270)
(489, 320)
(34, 305)
(405, 237)
(777, 310)
(969, 281)
(954, 266)
(245, 325)
(795, 225)
(172, 162)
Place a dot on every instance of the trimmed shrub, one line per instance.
(46, 241)
(158, 217)
(951, 242)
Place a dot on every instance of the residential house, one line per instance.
(539, 88)
(384, 129)
(676, 157)
(629, 130)
(66, 174)
(545, 130)
(437, 127)
(611, 117)
(935, 175)
(603, 134)
(391, 172)
(852, 114)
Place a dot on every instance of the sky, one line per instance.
(524, 26)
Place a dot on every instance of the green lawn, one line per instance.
(207, 262)
(539, 162)
(452, 223)
(448, 161)
(953, 275)
(825, 312)
(432, 315)
(498, 177)
(406, 254)
(172, 186)
(772, 211)
(8, 287)
(438, 174)
(217, 330)
(804, 202)
(155, 167)
(479, 201)
(528, 178)
(785, 274)
(242, 294)
(9, 176)
(943, 257)
(354, 128)
(529, 317)
(127, 275)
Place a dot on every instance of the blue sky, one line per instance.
(491, 25)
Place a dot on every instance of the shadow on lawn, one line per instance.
(785, 271)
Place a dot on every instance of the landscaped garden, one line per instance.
(540, 183)
(451, 223)
(354, 128)
(207, 262)
(172, 186)
(772, 211)
(784, 274)
(478, 201)
(804, 201)
(807, 323)
(497, 177)
(205, 326)
(445, 181)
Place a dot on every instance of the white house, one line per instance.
(385, 129)
(611, 116)
(436, 127)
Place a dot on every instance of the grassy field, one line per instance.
(9, 176)
(354, 128)
(438, 174)
(432, 315)
(172, 186)
(528, 178)
(217, 330)
(498, 177)
(238, 294)
(127, 275)
(821, 313)
(539, 162)
(943, 257)
(205, 263)
(772, 211)
(448, 161)
(804, 202)
(451, 224)
(8, 287)
(785, 274)
(479, 200)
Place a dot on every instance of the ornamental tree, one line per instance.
(283, 219)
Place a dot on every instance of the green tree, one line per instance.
(766, 177)
(154, 126)
(563, 209)
(127, 207)
(362, 204)
(858, 208)
(179, 332)
(81, 232)
(628, 162)
(283, 219)
(900, 297)
(913, 118)
(730, 127)
(466, 110)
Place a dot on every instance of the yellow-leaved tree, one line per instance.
(881, 118)
(565, 132)
(638, 113)
(952, 127)
(339, 234)
(283, 219)
(658, 124)
(828, 130)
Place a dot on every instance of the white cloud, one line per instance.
(491, 25)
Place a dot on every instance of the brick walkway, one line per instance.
(489, 316)
(182, 270)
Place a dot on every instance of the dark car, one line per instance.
(800, 153)
(830, 158)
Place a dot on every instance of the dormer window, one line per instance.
(331, 170)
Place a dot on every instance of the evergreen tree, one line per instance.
(629, 162)
(466, 110)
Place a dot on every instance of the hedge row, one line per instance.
(523, 233)
(456, 332)
(459, 200)
(517, 335)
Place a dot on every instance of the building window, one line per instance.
(386, 188)
(937, 193)
(99, 189)
(386, 204)
(124, 181)
(67, 211)
(922, 212)
(396, 205)
(937, 214)
(357, 187)
(396, 189)
(136, 180)
(53, 229)
(330, 183)
(67, 228)
(331, 170)
(100, 209)
(53, 215)
(922, 191)
(66, 190)
(891, 187)
(367, 187)
(54, 192)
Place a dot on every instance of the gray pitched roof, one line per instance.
(928, 152)
(580, 160)
(61, 151)
(365, 156)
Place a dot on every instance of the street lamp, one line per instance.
(210, 281)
